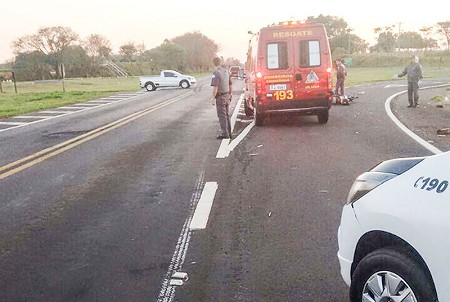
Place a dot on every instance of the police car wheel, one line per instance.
(390, 275)
(184, 84)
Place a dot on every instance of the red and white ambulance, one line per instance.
(289, 70)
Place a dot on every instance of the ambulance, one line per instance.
(289, 70)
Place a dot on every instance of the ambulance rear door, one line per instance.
(280, 74)
(312, 65)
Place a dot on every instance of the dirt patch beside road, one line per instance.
(427, 118)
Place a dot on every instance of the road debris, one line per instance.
(443, 131)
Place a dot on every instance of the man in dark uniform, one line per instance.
(341, 74)
(414, 72)
(221, 97)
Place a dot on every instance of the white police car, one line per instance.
(394, 236)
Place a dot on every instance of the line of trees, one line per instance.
(54, 51)
(343, 41)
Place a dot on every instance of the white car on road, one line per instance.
(394, 236)
(167, 78)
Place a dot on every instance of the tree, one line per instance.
(335, 26)
(51, 41)
(410, 39)
(386, 40)
(128, 51)
(444, 29)
(199, 50)
(339, 34)
(31, 66)
(97, 48)
(166, 56)
(427, 32)
(232, 62)
(77, 62)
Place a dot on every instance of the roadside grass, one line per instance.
(40, 95)
(362, 75)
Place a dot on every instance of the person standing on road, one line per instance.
(414, 72)
(341, 74)
(221, 97)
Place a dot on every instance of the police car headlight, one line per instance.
(365, 183)
(381, 173)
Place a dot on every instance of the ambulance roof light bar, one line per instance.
(294, 22)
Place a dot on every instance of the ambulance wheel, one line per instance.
(323, 117)
(248, 110)
(259, 118)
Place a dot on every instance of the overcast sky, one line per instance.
(150, 21)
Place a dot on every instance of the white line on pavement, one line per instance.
(29, 116)
(167, 293)
(240, 137)
(204, 206)
(13, 123)
(223, 149)
(55, 111)
(425, 144)
(236, 111)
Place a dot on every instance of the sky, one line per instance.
(151, 21)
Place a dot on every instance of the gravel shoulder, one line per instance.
(427, 118)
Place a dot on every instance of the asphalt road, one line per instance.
(99, 206)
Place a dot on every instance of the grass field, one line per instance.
(39, 95)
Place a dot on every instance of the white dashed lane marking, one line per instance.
(18, 121)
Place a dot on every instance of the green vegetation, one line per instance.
(40, 95)
(361, 75)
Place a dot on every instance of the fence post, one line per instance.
(14, 80)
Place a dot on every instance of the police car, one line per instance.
(395, 229)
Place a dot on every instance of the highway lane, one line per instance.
(272, 234)
(102, 221)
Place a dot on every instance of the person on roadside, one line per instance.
(341, 74)
(414, 72)
(221, 97)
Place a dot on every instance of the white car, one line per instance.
(394, 236)
(167, 78)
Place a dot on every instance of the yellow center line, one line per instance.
(31, 160)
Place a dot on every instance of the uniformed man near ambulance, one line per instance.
(221, 97)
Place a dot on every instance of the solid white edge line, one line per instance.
(418, 139)
(65, 113)
(223, 149)
(201, 214)
(240, 137)
(236, 111)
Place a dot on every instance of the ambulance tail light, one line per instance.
(259, 83)
(330, 78)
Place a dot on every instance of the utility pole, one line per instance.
(399, 32)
